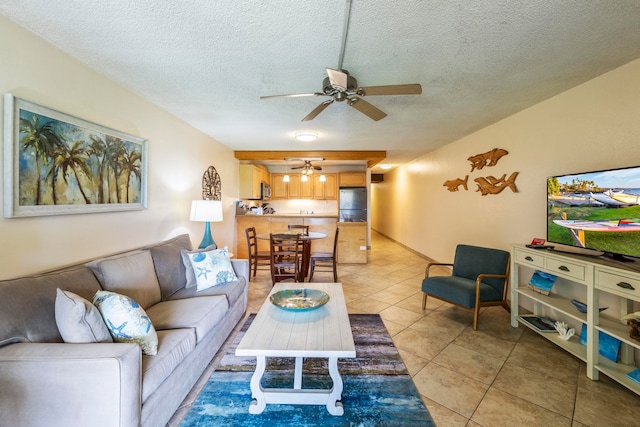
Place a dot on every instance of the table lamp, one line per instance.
(206, 211)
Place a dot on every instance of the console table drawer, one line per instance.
(618, 284)
(566, 269)
(526, 257)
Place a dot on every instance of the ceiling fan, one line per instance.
(340, 86)
(308, 168)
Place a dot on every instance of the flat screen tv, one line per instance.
(598, 211)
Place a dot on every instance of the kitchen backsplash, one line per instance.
(295, 206)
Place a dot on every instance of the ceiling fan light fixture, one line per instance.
(306, 136)
(304, 178)
(323, 178)
(285, 178)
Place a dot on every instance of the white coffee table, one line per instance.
(322, 332)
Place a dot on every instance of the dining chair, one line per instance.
(257, 258)
(304, 229)
(326, 261)
(286, 257)
(479, 278)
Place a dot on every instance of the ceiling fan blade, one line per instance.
(319, 109)
(337, 78)
(365, 108)
(409, 89)
(293, 95)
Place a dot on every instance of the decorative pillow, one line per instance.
(190, 274)
(127, 321)
(212, 268)
(78, 320)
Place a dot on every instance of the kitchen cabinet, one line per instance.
(327, 190)
(279, 188)
(298, 189)
(352, 242)
(593, 278)
(251, 176)
(353, 179)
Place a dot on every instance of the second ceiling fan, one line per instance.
(340, 86)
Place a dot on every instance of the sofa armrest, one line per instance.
(70, 384)
(241, 267)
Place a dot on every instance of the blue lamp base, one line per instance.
(207, 240)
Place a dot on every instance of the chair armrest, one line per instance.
(61, 384)
(490, 276)
(432, 264)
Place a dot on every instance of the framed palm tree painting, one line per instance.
(57, 164)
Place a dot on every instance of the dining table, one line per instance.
(306, 252)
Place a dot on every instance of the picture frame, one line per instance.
(58, 164)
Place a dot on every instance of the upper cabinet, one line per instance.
(353, 179)
(327, 190)
(298, 189)
(251, 176)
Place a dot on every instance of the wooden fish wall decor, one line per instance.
(490, 158)
(491, 185)
(453, 184)
(487, 184)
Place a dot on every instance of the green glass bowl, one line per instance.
(299, 299)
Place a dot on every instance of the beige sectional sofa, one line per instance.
(46, 382)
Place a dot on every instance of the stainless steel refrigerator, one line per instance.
(353, 204)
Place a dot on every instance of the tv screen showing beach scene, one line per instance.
(596, 210)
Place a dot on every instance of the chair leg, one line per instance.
(313, 266)
(476, 313)
(335, 271)
(424, 300)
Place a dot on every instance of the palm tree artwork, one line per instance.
(65, 164)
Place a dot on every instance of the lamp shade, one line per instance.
(206, 211)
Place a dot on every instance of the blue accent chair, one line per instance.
(479, 278)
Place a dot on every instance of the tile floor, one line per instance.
(496, 376)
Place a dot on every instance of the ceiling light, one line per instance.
(285, 178)
(306, 136)
(304, 178)
(385, 166)
(323, 178)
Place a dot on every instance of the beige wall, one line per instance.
(178, 155)
(593, 126)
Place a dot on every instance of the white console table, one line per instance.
(597, 276)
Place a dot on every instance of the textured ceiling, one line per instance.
(208, 62)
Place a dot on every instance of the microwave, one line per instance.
(265, 191)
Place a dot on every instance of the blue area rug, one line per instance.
(377, 388)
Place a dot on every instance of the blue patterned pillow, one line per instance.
(212, 268)
(127, 321)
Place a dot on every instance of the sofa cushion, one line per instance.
(169, 266)
(132, 274)
(78, 320)
(127, 321)
(212, 268)
(173, 346)
(27, 304)
(202, 314)
(232, 291)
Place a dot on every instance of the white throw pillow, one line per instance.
(190, 274)
(127, 321)
(212, 268)
(78, 320)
